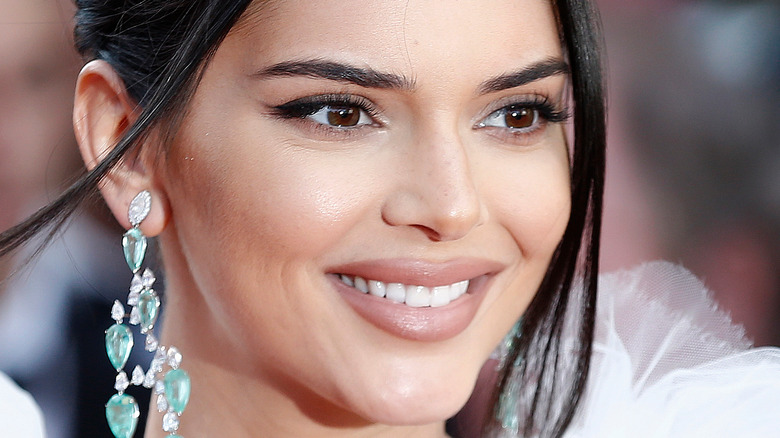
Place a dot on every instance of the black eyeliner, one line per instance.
(546, 110)
(306, 106)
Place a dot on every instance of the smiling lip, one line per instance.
(428, 324)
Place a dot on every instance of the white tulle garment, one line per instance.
(668, 364)
(19, 414)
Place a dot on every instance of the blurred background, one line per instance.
(693, 177)
(693, 164)
(53, 312)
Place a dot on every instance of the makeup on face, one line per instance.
(416, 299)
(384, 197)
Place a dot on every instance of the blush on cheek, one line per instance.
(550, 225)
(292, 205)
(537, 216)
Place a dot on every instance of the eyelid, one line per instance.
(322, 114)
(504, 110)
(548, 109)
(546, 112)
(299, 112)
(306, 106)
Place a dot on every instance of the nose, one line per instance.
(435, 190)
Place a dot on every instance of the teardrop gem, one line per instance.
(148, 309)
(122, 413)
(177, 389)
(117, 312)
(134, 244)
(138, 376)
(119, 342)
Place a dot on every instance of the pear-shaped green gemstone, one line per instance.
(119, 342)
(134, 245)
(122, 414)
(177, 389)
(148, 309)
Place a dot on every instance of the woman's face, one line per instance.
(407, 145)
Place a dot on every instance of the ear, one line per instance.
(102, 112)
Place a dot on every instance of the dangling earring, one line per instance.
(501, 352)
(173, 390)
(507, 410)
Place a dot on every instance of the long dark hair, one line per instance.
(547, 366)
(160, 49)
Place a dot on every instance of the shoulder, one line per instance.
(19, 414)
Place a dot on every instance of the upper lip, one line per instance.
(420, 272)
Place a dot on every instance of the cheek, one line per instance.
(266, 212)
(530, 202)
(261, 200)
(263, 216)
(533, 201)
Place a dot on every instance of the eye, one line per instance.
(330, 111)
(514, 117)
(340, 116)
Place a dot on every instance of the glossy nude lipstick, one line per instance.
(415, 299)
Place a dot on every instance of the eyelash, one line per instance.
(308, 106)
(544, 112)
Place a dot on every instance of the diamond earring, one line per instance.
(172, 387)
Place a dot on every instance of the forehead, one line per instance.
(410, 37)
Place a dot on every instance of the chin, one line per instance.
(416, 405)
(415, 415)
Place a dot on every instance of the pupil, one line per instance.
(520, 118)
(343, 116)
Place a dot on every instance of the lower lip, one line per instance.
(425, 324)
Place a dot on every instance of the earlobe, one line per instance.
(102, 112)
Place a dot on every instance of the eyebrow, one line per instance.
(370, 78)
(339, 72)
(534, 72)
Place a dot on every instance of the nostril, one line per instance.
(436, 193)
(430, 233)
(439, 218)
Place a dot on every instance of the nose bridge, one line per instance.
(439, 194)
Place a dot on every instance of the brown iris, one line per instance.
(343, 116)
(519, 118)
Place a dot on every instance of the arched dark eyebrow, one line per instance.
(370, 78)
(339, 72)
(534, 72)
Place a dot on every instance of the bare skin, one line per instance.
(444, 165)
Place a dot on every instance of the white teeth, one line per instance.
(440, 296)
(396, 292)
(360, 284)
(347, 280)
(458, 289)
(376, 288)
(418, 296)
(411, 295)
